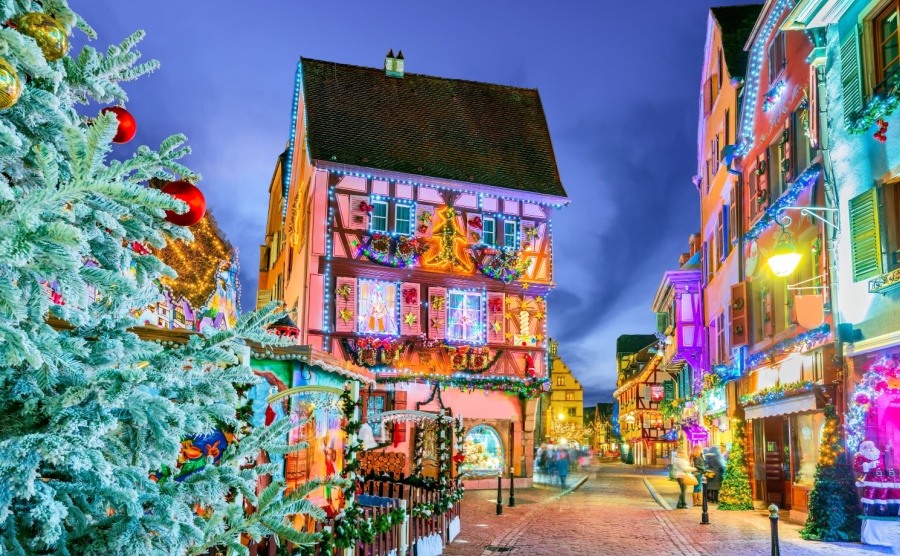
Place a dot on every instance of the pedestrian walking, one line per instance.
(684, 474)
(542, 461)
(699, 463)
(715, 472)
(562, 467)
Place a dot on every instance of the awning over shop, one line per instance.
(796, 404)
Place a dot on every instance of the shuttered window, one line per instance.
(509, 234)
(777, 60)
(489, 235)
(865, 234)
(733, 229)
(851, 78)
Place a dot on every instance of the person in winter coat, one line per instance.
(715, 463)
(683, 470)
(699, 463)
(562, 467)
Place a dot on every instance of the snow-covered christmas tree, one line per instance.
(91, 414)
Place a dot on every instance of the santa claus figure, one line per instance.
(869, 465)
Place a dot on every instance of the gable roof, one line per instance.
(736, 23)
(633, 343)
(430, 126)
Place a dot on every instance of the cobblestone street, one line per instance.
(613, 512)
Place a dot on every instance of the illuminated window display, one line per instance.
(484, 452)
(806, 430)
(465, 316)
(377, 307)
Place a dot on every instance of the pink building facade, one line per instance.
(410, 233)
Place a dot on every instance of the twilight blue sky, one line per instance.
(619, 82)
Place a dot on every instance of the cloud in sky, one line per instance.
(619, 87)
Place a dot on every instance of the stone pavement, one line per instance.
(614, 513)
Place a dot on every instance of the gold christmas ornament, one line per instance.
(47, 32)
(10, 86)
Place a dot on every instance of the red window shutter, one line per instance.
(410, 304)
(437, 313)
(707, 96)
(399, 428)
(496, 322)
(345, 305)
(813, 107)
(740, 335)
(359, 219)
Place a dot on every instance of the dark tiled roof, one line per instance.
(284, 322)
(736, 23)
(633, 343)
(429, 126)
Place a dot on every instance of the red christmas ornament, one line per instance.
(459, 458)
(529, 365)
(187, 192)
(270, 415)
(127, 125)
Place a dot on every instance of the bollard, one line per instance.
(499, 495)
(704, 518)
(773, 520)
(512, 487)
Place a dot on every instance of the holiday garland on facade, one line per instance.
(771, 216)
(833, 507)
(798, 344)
(447, 496)
(775, 393)
(510, 386)
(735, 493)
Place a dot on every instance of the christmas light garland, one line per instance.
(506, 265)
(775, 393)
(770, 217)
(880, 107)
(406, 250)
(874, 383)
(800, 343)
(509, 386)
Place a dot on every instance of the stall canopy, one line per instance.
(796, 404)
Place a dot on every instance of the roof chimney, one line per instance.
(393, 66)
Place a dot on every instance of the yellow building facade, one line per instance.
(564, 415)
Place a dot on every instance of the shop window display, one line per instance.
(484, 452)
(806, 433)
(377, 307)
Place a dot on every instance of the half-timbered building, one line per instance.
(409, 232)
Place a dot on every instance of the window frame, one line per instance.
(879, 41)
(573, 412)
(480, 325)
(410, 219)
(560, 381)
(570, 396)
(484, 230)
(373, 218)
(506, 236)
(781, 37)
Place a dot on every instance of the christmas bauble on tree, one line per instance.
(190, 194)
(10, 86)
(127, 125)
(47, 32)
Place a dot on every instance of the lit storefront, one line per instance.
(785, 419)
(484, 452)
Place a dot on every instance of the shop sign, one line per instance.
(657, 392)
(885, 282)
(715, 400)
(669, 388)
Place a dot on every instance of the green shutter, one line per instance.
(662, 322)
(865, 234)
(851, 75)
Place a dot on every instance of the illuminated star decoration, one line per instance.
(497, 326)
(524, 285)
(508, 335)
(539, 299)
(451, 243)
(540, 337)
(346, 315)
(436, 323)
(410, 318)
(539, 315)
